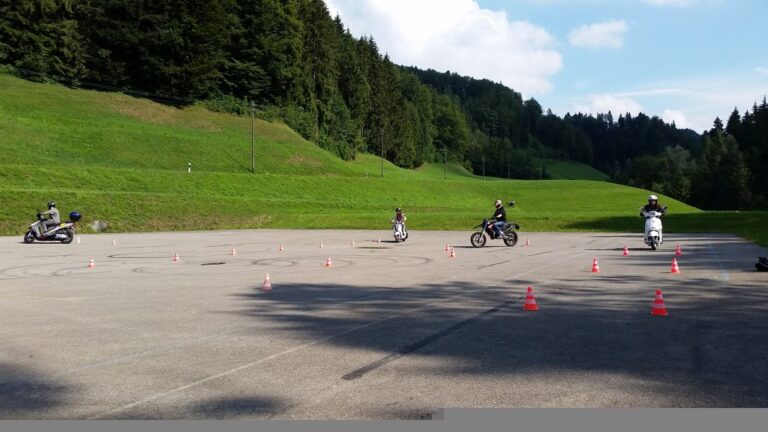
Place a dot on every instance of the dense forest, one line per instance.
(299, 64)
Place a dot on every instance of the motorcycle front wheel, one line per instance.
(477, 239)
(29, 237)
(70, 236)
(511, 239)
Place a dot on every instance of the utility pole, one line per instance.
(445, 162)
(381, 138)
(253, 137)
(508, 169)
(483, 168)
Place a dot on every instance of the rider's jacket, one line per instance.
(500, 214)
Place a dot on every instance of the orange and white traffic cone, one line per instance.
(658, 308)
(176, 257)
(114, 242)
(453, 253)
(78, 239)
(281, 248)
(233, 252)
(626, 251)
(267, 284)
(678, 251)
(91, 264)
(595, 266)
(328, 262)
(675, 268)
(527, 242)
(447, 247)
(321, 245)
(530, 301)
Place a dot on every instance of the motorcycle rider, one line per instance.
(499, 219)
(653, 205)
(52, 216)
(399, 216)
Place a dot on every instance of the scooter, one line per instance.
(399, 231)
(64, 232)
(480, 238)
(654, 237)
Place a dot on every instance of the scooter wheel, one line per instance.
(29, 237)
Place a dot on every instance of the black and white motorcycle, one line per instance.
(654, 235)
(64, 232)
(399, 231)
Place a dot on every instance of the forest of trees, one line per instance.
(300, 64)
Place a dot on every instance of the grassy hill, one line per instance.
(123, 160)
(572, 170)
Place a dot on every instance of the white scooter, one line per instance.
(399, 231)
(654, 236)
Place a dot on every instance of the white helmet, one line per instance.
(498, 203)
(653, 198)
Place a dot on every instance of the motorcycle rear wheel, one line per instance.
(511, 239)
(477, 239)
(70, 236)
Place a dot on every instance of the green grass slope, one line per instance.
(123, 160)
(572, 170)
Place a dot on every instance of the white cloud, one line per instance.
(762, 70)
(457, 35)
(602, 103)
(679, 117)
(608, 34)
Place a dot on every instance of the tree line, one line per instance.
(301, 65)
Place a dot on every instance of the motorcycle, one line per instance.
(399, 231)
(654, 236)
(64, 232)
(510, 237)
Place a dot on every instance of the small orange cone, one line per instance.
(626, 251)
(176, 257)
(678, 251)
(530, 301)
(281, 248)
(321, 245)
(675, 267)
(267, 284)
(527, 242)
(91, 264)
(453, 253)
(447, 247)
(595, 266)
(78, 239)
(328, 262)
(114, 242)
(234, 252)
(658, 308)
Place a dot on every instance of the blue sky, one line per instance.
(683, 60)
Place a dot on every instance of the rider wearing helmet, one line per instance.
(52, 216)
(499, 219)
(399, 216)
(653, 205)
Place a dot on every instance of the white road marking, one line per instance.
(723, 272)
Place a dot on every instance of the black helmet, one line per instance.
(51, 205)
(398, 210)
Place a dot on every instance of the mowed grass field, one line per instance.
(123, 161)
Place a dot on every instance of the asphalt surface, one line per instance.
(391, 331)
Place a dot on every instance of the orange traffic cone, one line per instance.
(114, 242)
(527, 242)
(175, 257)
(234, 252)
(281, 248)
(321, 245)
(78, 239)
(658, 308)
(626, 251)
(453, 253)
(267, 284)
(530, 301)
(447, 247)
(678, 251)
(595, 266)
(91, 264)
(328, 262)
(675, 267)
